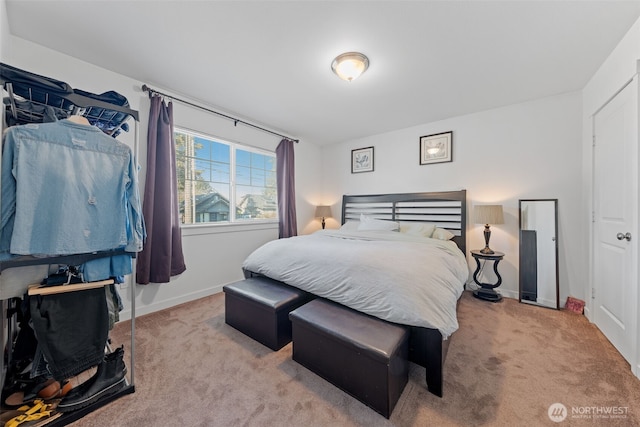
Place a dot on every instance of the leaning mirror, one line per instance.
(539, 252)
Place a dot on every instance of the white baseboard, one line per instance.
(507, 293)
(168, 303)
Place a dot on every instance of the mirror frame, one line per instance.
(557, 277)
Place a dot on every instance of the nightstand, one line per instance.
(487, 290)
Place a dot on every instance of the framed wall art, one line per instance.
(436, 148)
(362, 160)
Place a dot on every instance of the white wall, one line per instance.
(213, 254)
(4, 28)
(530, 150)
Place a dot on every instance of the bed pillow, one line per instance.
(442, 234)
(350, 225)
(417, 228)
(370, 224)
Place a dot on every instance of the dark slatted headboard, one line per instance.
(447, 210)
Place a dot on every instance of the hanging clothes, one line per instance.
(67, 349)
(73, 176)
(31, 112)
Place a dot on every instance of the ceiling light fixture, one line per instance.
(350, 65)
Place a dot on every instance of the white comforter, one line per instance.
(394, 276)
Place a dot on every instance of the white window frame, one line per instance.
(249, 224)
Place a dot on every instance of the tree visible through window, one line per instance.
(214, 175)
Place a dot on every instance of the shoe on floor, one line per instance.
(108, 380)
(43, 388)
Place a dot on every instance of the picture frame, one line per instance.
(436, 148)
(362, 160)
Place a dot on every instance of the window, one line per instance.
(214, 175)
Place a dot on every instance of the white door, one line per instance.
(615, 287)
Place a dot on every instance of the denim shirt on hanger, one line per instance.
(67, 188)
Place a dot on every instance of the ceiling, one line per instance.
(269, 62)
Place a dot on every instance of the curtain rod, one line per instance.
(146, 88)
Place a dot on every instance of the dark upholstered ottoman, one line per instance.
(259, 307)
(364, 356)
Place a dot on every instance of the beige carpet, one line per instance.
(507, 364)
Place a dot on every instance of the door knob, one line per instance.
(626, 237)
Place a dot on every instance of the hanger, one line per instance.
(36, 289)
(79, 120)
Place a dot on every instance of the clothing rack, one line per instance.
(113, 118)
(75, 259)
(78, 102)
(146, 88)
(108, 111)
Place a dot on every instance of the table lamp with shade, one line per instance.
(487, 215)
(323, 212)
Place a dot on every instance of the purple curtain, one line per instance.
(162, 255)
(287, 224)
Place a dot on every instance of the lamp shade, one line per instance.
(350, 65)
(488, 214)
(323, 211)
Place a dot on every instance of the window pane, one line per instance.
(254, 203)
(202, 148)
(255, 191)
(202, 170)
(257, 161)
(257, 178)
(270, 178)
(243, 158)
(204, 174)
(270, 163)
(220, 172)
(243, 175)
(203, 178)
(220, 152)
(211, 206)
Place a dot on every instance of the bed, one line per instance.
(397, 275)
